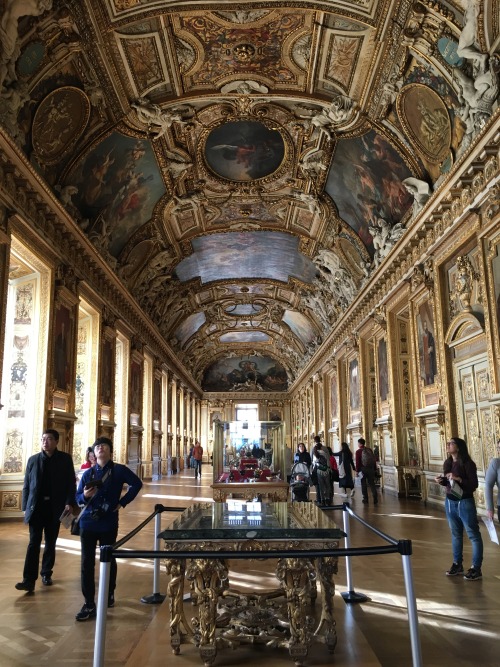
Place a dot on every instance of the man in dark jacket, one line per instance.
(49, 489)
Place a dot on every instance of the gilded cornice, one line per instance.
(25, 191)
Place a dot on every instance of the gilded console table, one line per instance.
(227, 618)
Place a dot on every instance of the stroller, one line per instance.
(300, 481)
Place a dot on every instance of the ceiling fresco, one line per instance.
(272, 255)
(249, 373)
(244, 168)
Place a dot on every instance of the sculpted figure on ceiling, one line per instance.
(14, 10)
(313, 164)
(339, 281)
(151, 114)
(247, 87)
(340, 110)
(479, 91)
(243, 15)
(384, 237)
(420, 190)
(317, 305)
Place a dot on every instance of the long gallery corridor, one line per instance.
(459, 620)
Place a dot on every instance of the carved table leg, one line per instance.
(209, 578)
(327, 567)
(295, 576)
(178, 624)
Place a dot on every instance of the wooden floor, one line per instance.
(459, 620)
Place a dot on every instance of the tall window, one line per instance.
(247, 414)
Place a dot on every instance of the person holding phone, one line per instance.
(459, 469)
(100, 493)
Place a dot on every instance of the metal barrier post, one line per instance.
(156, 597)
(416, 652)
(102, 606)
(350, 595)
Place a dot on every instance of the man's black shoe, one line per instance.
(47, 580)
(27, 586)
(86, 612)
(111, 600)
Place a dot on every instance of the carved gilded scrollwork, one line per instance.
(209, 578)
(466, 277)
(327, 567)
(295, 576)
(178, 623)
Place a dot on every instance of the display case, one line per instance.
(412, 467)
(249, 460)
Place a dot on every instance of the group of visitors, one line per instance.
(49, 492)
(325, 470)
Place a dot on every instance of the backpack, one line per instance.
(368, 458)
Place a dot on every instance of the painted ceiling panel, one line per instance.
(244, 337)
(272, 255)
(365, 181)
(118, 184)
(189, 327)
(300, 326)
(247, 373)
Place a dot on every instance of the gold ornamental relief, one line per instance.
(59, 122)
(425, 120)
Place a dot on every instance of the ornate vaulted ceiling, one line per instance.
(243, 167)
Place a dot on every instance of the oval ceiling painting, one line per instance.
(244, 150)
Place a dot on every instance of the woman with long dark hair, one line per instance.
(346, 466)
(460, 479)
(302, 455)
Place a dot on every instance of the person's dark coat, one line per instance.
(63, 483)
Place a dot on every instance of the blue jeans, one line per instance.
(462, 514)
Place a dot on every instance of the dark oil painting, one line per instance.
(245, 374)
(244, 150)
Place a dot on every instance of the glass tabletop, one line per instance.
(240, 520)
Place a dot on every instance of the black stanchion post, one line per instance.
(350, 595)
(156, 597)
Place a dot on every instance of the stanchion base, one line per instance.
(155, 598)
(352, 596)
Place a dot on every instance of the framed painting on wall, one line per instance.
(63, 347)
(107, 375)
(426, 344)
(383, 374)
(135, 386)
(157, 399)
(334, 398)
(275, 415)
(354, 385)
(495, 268)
